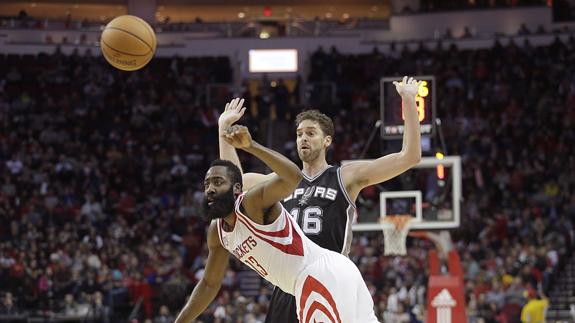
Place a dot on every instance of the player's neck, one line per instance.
(315, 167)
(230, 222)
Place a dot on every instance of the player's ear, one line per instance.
(237, 188)
(327, 141)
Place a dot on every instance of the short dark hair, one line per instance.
(325, 122)
(233, 171)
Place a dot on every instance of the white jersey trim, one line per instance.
(342, 187)
(220, 229)
(348, 237)
(311, 179)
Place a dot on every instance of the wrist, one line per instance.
(408, 97)
(222, 128)
(254, 145)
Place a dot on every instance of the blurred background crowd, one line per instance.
(101, 176)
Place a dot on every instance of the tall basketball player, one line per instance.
(324, 203)
(257, 230)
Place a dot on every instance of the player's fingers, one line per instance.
(395, 83)
(404, 81)
(228, 140)
(233, 139)
(410, 81)
(227, 106)
(242, 111)
(240, 104)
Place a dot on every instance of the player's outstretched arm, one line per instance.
(281, 184)
(208, 287)
(359, 174)
(252, 179)
(232, 113)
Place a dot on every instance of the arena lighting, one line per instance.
(273, 60)
(264, 35)
(440, 172)
(439, 168)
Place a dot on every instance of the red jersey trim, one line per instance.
(220, 231)
(313, 285)
(294, 248)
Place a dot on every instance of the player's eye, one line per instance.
(299, 134)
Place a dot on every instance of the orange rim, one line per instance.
(418, 234)
(399, 221)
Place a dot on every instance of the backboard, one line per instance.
(431, 192)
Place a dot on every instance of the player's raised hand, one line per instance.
(238, 136)
(233, 112)
(407, 88)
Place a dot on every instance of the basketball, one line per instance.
(128, 43)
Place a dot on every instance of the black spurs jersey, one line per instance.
(323, 210)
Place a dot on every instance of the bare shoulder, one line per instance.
(214, 236)
(349, 171)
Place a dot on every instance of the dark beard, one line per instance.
(223, 205)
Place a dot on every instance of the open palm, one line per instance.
(407, 87)
(232, 113)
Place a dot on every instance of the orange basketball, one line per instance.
(128, 43)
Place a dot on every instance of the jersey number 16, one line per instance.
(312, 219)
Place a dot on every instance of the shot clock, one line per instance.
(391, 108)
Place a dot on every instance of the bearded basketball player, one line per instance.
(257, 230)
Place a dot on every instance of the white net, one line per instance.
(395, 230)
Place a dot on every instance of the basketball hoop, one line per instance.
(395, 229)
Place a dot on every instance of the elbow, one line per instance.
(412, 158)
(417, 158)
(294, 180)
(297, 178)
(211, 284)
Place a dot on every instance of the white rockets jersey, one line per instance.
(279, 251)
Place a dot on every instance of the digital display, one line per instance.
(272, 60)
(392, 109)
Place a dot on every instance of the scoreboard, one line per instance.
(391, 108)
